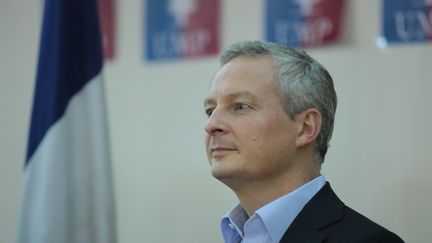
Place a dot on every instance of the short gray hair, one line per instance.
(302, 83)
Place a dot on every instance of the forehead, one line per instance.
(244, 75)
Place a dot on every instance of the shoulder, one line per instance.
(354, 227)
(325, 218)
(339, 223)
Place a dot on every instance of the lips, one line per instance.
(220, 151)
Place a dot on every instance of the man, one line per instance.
(270, 118)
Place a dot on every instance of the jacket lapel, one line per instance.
(323, 209)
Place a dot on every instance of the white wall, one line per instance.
(19, 39)
(379, 161)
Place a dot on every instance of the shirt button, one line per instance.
(231, 226)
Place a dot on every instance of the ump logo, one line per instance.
(181, 10)
(181, 28)
(407, 20)
(302, 23)
(306, 6)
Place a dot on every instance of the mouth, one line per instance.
(218, 152)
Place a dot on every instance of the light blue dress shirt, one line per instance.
(269, 223)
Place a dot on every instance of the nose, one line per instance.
(216, 123)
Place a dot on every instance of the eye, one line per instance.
(208, 111)
(241, 107)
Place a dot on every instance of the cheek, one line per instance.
(265, 130)
(270, 136)
(207, 143)
(254, 141)
(207, 140)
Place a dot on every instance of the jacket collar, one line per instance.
(324, 209)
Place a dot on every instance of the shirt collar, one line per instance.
(232, 224)
(278, 215)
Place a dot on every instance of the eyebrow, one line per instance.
(232, 96)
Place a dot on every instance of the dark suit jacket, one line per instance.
(326, 219)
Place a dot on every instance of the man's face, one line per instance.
(248, 134)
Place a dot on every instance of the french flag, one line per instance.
(67, 190)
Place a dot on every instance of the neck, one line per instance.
(255, 193)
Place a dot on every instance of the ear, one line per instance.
(309, 126)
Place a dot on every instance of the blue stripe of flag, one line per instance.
(70, 56)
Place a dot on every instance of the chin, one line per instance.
(221, 171)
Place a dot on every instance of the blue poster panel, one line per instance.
(303, 23)
(178, 29)
(406, 21)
